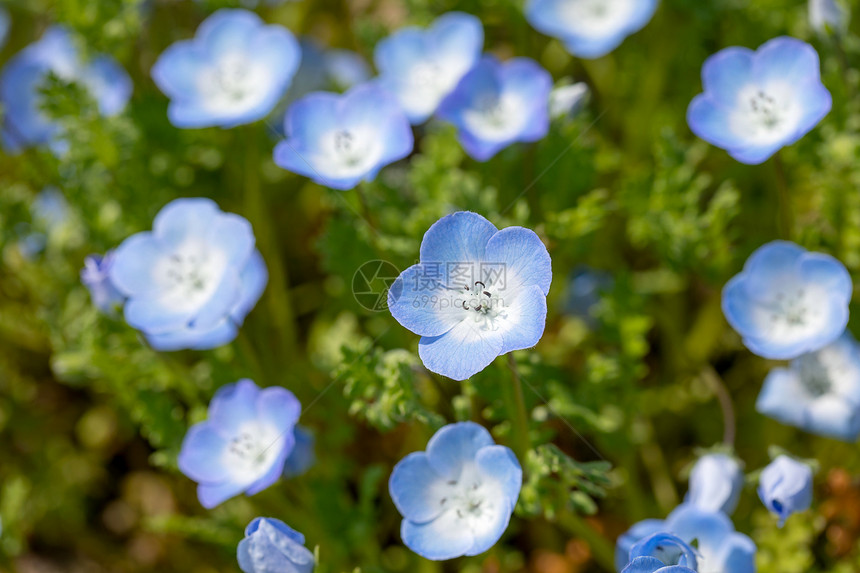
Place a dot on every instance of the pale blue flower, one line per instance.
(340, 140)
(719, 548)
(96, 277)
(302, 457)
(422, 66)
(272, 546)
(243, 445)
(819, 392)
(233, 72)
(755, 103)
(785, 487)
(716, 483)
(590, 28)
(477, 293)
(565, 101)
(193, 279)
(828, 16)
(497, 104)
(788, 301)
(24, 76)
(661, 553)
(457, 497)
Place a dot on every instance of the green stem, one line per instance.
(601, 548)
(521, 439)
(786, 217)
(725, 400)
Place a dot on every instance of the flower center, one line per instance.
(425, 75)
(814, 375)
(766, 111)
(252, 450)
(472, 499)
(485, 305)
(791, 309)
(348, 148)
(188, 273)
(231, 76)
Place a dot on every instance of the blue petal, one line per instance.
(785, 487)
(816, 102)
(438, 540)
(218, 307)
(646, 565)
(481, 83)
(254, 278)
(182, 219)
(711, 122)
(726, 72)
(787, 60)
(525, 78)
(201, 454)
(593, 48)
(156, 315)
(134, 259)
(828, 273)
(779, 397)
(302, 457)
(457, 35)
(756, 154)
(454, 445)
(279, 407)
(527, 315)
(109, 83)
(211, 495)
(284, 444)
(368, 107)
(500, 463)
(526, 259)
(737, 554)
(233, 405)
(716, 482)
(273, 547)
(690, 523)
(228, 31)
(416, 489)
(834, 417)
(279, 525)
(176, 70)
(461, 352)
(457, 238)
(632, 536)
(191, 338)
(770, 265)
(421, 300)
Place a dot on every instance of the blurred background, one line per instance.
(644, 222)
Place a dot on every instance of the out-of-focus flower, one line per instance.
(788, 301)
(756, 103)
(243, 445)
(497, 104)
(233, 72)
(584, 289)
(819, 392)
(719, 548)
(565, 101)
(24, 76)
(829, 16)
(421, 67)
(661, 553)
(345, 68)
(302, 457)
(96, 277)
(340, 140)
(272, 546)
(716, 482)
(590, 28)
(457, 497)
(477, 293)
(193, 279)
(785, 487)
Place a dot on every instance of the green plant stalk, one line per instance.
(518, 412)
(786, 217)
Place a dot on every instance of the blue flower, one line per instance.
(785, 487)
(719, 548)
(21, 81)
(716, 482)
(302, 457)
(497, 104)
(345, 68)
(828, 16)
(232, 73)
(272, 546)
(565, 101)
(661, 553)
(477, 293)
(421, 67)
(193, 279)
(819, 392)
(457, 497)
(340, 140)
(95, 276)
(5, 25)
(755, 103)
(788, 301)
(243, 445)
(590, 28)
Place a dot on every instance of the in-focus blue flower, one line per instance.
(272, 546)
(828, 16)
(23, 77)
(565, 101)
(340, 140)
(819, 392)
(345, 68)
(421, 67)
(96, 277)
(457, 497)
(193, 279)
(243, 445)
(590, 28)
(661, 553)
(788, 301)
(716, 482)
(497, 104)
(5, 25)
(302, 457)
(719, 548)
(477, 293)
(785, 487)
(756, 103)
(232, 73)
